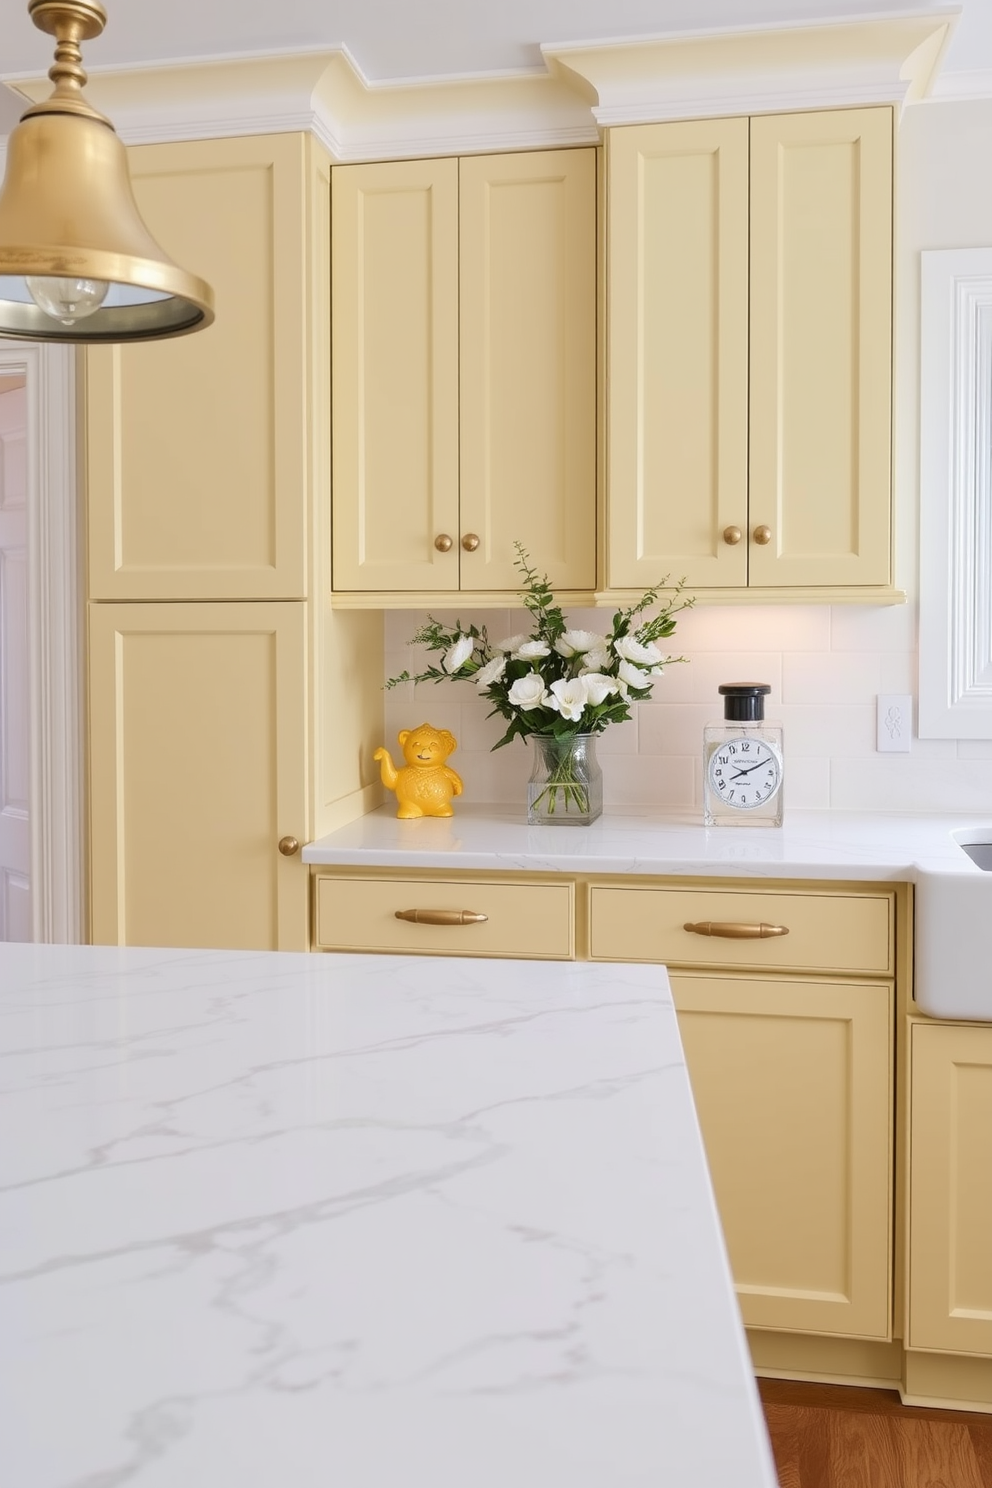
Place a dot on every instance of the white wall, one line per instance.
(825, 664)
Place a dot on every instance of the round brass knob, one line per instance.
(762, 535)
(443, 543)
(470, 542)
(288, 846)
(732, 535)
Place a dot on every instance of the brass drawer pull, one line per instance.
(441, 916)
(731, 930)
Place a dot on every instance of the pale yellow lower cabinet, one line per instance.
(197, 761)
(950, 1219)
(793, 1085)
(465, 917)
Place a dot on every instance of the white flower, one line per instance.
(577, 642)
(491, 672)
(596, 660)
(598, 687)
(632, 675)
(528, 692)
(457, 655)
(531, 650)
(569, 698)
(632, 650)
(513, 643)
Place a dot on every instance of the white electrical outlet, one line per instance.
(895, 722)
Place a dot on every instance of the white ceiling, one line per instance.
(410, 39)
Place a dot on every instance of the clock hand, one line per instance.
(748, 768)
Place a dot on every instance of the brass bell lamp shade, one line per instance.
(77, 263)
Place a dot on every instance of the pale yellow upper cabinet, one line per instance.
(677, 352)
(528, 366)
(394, 339)
(749, 368)
(196, 448)
(821, 316)
(464, 372)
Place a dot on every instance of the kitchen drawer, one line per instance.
(522, 919)
(826, 931)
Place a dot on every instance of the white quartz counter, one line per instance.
(811, 844)
(281, 1221)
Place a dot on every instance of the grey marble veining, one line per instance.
(279, 1221)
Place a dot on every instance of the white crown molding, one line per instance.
(956, 494)
(55, 809)
(880, 59)
(960, 87)
(582, 88)
(326, 93)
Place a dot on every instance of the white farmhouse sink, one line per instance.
(953, 960)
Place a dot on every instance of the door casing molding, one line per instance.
(56, 805)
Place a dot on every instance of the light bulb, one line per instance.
(66, 300)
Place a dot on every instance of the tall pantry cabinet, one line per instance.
(217, 670)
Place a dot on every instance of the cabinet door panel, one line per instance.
(197, 768)
(677, 360)
(821, 256)
(793, 1086)
(394, 336)
(950, 1248)
(196, 456)
(528, 365)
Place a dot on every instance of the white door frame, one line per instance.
(55, 639)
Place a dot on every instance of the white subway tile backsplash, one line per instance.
(826, 731)
(831, 677)
(881, 628)
(825, 667)
(707, 670)
(900, 782)
(807, 783)
(755, 628)
(650, 780)
(674, 728)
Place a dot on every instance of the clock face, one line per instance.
(744, 773)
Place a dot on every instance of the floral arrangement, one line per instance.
(556, 681)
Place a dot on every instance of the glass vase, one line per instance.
(565, 788)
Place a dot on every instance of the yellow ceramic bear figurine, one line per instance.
(425, 785)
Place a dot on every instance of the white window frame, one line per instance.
(955, 699)
(55, 652)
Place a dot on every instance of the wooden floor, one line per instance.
(831, 1436)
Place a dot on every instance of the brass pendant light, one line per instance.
(77, 263)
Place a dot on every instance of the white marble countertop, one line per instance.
(810, 844)
(296, 1221)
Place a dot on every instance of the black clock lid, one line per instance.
(744, 702)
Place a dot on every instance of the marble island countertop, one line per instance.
(281, 1221)
(810, 844)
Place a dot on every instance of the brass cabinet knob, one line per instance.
(470, 542)
(288, 846)
(443, 543)
(762, 535)
(732, 536)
